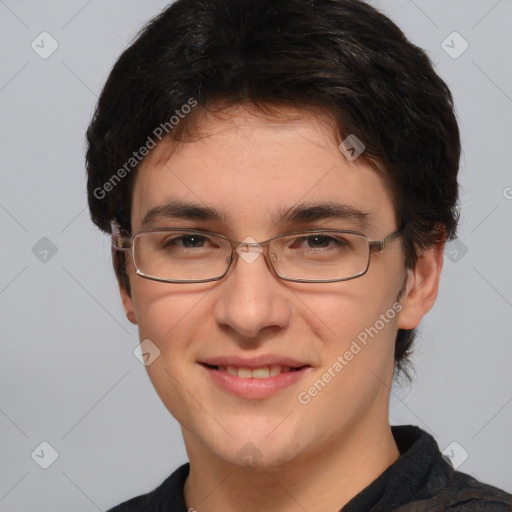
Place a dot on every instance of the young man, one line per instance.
(279, 179)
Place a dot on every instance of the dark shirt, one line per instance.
(420, 480)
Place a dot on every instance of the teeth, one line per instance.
(244, 373)
(230, 369)
(275, 369)
(258, 373)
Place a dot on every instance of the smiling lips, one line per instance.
(258, 373)
(254, 378)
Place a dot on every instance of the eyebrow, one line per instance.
(311, 212)
(181, 210)
(300, 213)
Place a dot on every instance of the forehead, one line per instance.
(251, 169)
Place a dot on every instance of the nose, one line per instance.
(251, 300)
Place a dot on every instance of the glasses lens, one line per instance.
(320, 256)
(181, 255)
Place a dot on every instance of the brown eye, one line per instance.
(192, 241)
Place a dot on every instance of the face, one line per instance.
(251, 168)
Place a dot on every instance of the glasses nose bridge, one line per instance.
(237, 253)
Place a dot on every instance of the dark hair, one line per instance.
(340, 56)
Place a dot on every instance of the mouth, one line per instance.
(254, 379)
(262, 372)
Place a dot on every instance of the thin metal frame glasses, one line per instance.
(158, 253)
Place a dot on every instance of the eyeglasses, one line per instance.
(175, 255)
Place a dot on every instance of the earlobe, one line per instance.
(421, 287)
(128, 305)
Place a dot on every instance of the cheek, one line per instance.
(168, 316)
(173, 321)
(347, 309)
(355, 333)
(355, 329)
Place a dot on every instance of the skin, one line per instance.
(314, 457)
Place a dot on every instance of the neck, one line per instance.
(324, 480)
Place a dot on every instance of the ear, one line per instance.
(127, 304)
(421, 287)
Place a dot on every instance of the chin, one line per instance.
(256, 450)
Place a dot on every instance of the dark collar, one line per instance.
(419, 480)
(420, 473)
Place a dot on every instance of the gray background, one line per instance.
(68, 373)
